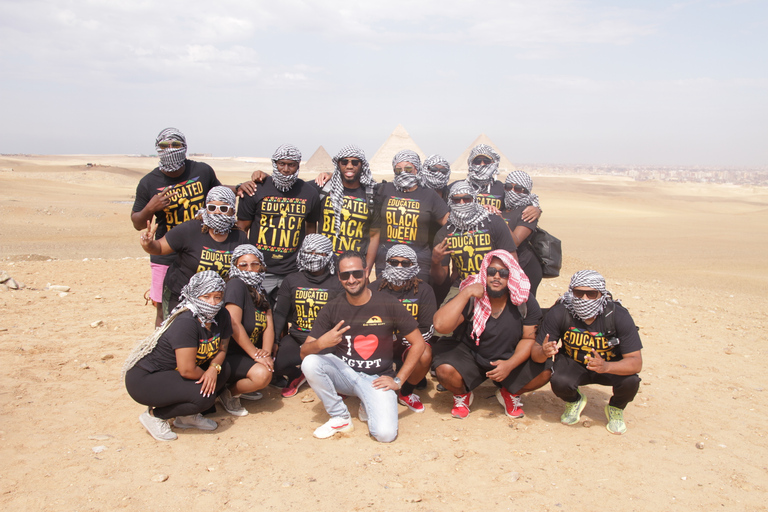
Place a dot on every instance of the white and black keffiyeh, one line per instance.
(512, 199)
(171, 160)
(398, 276)
(406, 181)
(220, 223)
(465, 216)
(337, 186)
(482, 176)
(201, 283)
(584, 309)
(285, 152)
(252, 279)
(431, 176)
(319, 244)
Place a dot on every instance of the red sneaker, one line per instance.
(461, 405)
(412, 401)
(293, 388)
(513, 407)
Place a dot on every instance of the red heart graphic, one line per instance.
(366, 345)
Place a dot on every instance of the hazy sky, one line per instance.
(549, 81)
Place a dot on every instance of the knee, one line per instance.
(311, 364)
(629, 384)
(561, 381)
(384, 435)
(445, 371)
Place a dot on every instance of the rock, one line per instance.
(97, 323)
(211, 468)
(98, 449)
(84, 366)
(100, 437)
(587, 423)
(159, 478)
(287, 484)
(63, 294)
(512, 476)
(107, 357)
(10, 283)
(430, 456)
(700, 445)
(307, 398)
(413, 499)
(458, 454)
(4, 276)
(58, 288)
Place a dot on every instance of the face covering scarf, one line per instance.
(220, 223)
(465, 216)
(252, 279)
(171, 159)
(512, 199)
(482, 176)
(285, 152)
(315, 243)
(399, 275)
(583, 308)
(432, 177)
(405, 181)
(201, 283)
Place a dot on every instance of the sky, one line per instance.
(550, 82)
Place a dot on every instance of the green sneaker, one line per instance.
(615, 417)
(573, 410)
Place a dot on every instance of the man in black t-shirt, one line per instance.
(601, 345)
(350, 350)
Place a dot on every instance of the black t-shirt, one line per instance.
(422, 305)
(368, 346)
(514, 219)
(278, 221)
(187, 332)
(502, 334)
(356, 221)
(300, 299)
(188, 193)
(579, 338)
(196, 252)
(469, 248)
(494, 196)
(254, 320)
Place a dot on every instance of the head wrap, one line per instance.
(584, 309)
(404, 180)
(220, 223)
(285, 152)
(512, 199)
(199, 284)
(315, 243)
(337, 186)
(517, 284)
(171, 160)
(481, 176)
(466, 217)
(252, 279)
(433, 178)
(398, 276)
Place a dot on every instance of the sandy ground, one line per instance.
(687, 260)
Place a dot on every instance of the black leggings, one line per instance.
(169, 393)
(288, 360)
(568, 375)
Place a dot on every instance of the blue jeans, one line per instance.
(328, 375)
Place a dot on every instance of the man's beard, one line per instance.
(495, 294)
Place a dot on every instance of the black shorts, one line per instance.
(240, 364)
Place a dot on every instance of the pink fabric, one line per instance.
(518, 285)
(158, 276)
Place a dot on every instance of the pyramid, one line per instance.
(397, 141)
(320, 161)
(460, 166)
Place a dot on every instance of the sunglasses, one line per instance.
(354, 161)
(462, 199)
(357, 274)
(400, 263)
(441, 169)
(589, 294)
(175, 144)
(223, 208)
(517, 188)
(503, 272)
(482, 160)
(253, 265)
(408, 169)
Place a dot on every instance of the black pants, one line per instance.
(169, 393)
(532, 269)
(568, 375)
(288, 360)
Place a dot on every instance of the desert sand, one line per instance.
(688, 261)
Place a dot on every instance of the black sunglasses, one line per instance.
(482, 160)
(400, 263)
(353, 161)
(590, 294)
(517, 188)
(462, 199)
(357, 274)
(503, 272)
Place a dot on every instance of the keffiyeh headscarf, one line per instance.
(252, 279)
(337, 186)
(432, 177)
(584, 309)
(171, 160)
(315, 243)
(512, 199)
(404, 180)
(220, 223)
(517, 284)
(398, 276)
(482, 176)
(466, 216)
(201, 283)
(285, 152)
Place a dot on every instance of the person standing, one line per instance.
(517, 197)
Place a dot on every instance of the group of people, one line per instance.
(276, 290)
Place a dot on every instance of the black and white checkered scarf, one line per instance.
(315, 243)
(337, 186)
(220, 223)
(405, 181)
(434, 178)
(201, 283)
(398, 276)
(512, 199)
(285, 152)
(482, 176)
(465, 216)
(252, 279)
(171, 159)
(585, 309)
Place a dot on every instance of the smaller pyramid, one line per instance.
(460, 166)
(320, 161)
(398, 140)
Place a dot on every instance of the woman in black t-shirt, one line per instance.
(518, 197)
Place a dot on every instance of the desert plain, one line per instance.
(688, 261)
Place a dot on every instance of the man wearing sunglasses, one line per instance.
(350, 350)
(600, 345)
(172, 193)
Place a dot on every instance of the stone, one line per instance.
(13, 285)
(458, 454)
(587, 423)
(97, 323)
(287, 484)
(84, 366)
(512, 476)
(700, 445)
(58, 288)
(4, 276)
(98, 449)
(159, 478)
(413, 499)
(107, 357)
(63, 294)
(307, 398)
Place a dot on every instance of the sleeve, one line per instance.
(235, 293)
(403, 320)
(427, 312)
(178, 236)
(248, 206)
(214, 179)
(626, 331)
(184, 332)
(440, 207)
(225, 323)
(502, 234)
(313, 214)
(551, 324)
(324, 321)
(282, 308)
(142, 195)
(533, 315)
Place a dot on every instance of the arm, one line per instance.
(152, 246)
(531, 213)
(268, 336)
(373, 248)
(629, 364)
(239, 333)
(522, 354)
(450, 316)
(444, 219)
(240, 190)
(156, 203)
(186, 363)
(244, 225)
(283, 308)
(329, 339)
(311, 227)
(411, 360)
(519, 234)
(439, 271)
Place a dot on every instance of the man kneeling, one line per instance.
(494, 319)
(350, 350)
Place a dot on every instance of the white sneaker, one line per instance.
(195, 421)
(157, 428)
(254, 395)
(332, 426)
(362, 413)
(231, 404)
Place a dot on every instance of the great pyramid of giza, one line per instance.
(398, 140)
(460, 165)
(320, 161)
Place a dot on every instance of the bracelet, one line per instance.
(216, 367)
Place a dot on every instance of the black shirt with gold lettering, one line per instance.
(300, 299)
(357, 219)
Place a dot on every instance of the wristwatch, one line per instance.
(398, 382)
(218, 368)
